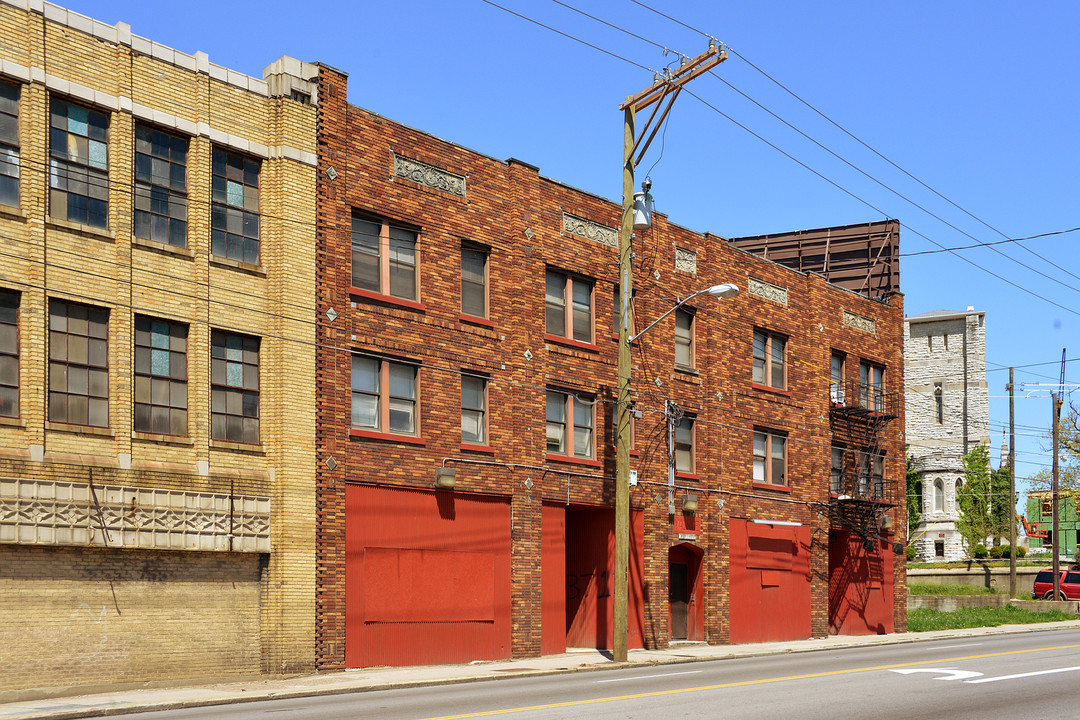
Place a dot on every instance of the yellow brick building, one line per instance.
(157, 362)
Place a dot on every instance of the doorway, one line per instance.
(685, 586)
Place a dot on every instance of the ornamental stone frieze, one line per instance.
(767, 291)
(686, 260)
(859, 322)
(429, 176)
(38, 512)
(590, 230)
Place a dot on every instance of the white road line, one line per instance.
(1024, 675)
(950, 647)
(649, 677)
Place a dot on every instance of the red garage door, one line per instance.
(427, 577)
(860, 585)
(769, 582)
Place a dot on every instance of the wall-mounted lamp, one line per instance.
(689, 503)
(885, 523)
(869, 544)
(445, 477)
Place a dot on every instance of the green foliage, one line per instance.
(997, 550)
(924, 619)
(979, 553)
(1069, 458)
(911, 552)
(1021, 551)
(984, 499)
(922, 588)
(914, 498)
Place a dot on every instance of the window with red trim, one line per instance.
(770, 458)
(769, 359)
(384, 396)
(570, 422)
(385, 257)
(568, 302)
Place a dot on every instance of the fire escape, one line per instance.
(860, 491)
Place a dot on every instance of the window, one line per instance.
(384, 396)
(234, 210)
(161, 186)
(234, 387)
(160, 377)
(770, 457)
(9, 144)
(78, 164)
(1046, 508)
(473, 410)
(571, 319)
(769, 359)
(9, 354)
(684, 445)
(871, 474)
(836, 379)
(939, 496)
(939, 404)
(78, 364)
(871, 386)
(384, 258)
(567, 414)
(684, 339)
(836, 471)
(474, 282)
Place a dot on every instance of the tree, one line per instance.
(1068, 460)
(914, 498)
(984, 499)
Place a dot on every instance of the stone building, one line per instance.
(157, 221)
(948, 414)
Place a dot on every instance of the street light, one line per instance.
(622, 442)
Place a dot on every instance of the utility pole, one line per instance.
(1012, 487)
(1058, 398)
(670, 85)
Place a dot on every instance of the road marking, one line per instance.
(949, 673)
(952, 647)
(744, 683)
(1025, 675)
(649, 677)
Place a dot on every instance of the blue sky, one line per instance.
(978, 100)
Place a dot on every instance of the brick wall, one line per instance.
(528, 223)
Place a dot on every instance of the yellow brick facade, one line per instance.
(49, 52)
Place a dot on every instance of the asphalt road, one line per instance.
(1029, 676)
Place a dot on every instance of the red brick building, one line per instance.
(466, 337)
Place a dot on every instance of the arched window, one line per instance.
(956, 493)
(939, 496)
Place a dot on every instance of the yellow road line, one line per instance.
(659, 693)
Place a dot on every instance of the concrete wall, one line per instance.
(978, 576)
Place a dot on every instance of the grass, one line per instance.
(923, 619)
(920, 588)
(1037, 561)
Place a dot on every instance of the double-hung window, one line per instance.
(769, 359)
(234, 208)
(836, 470)
(871, 386)
(836, 379)
(684, 445)
(474, 410)
(160, 376)
(78, 164)
(234, 387)
(384, 396)
(385, 258)
(161, 206)
(78, 364)
(9, 144)
(568, 303)
(569, 425)
(684, 339)
(474, 282)
(9, 353)
(770, 458)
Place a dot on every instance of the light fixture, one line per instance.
(689, 503)
(445, 477)
(726, 290)
(869, 544)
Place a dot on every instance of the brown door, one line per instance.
(678, 595)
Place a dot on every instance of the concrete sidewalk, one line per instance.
(147, 699)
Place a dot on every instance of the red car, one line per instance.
(1044, 585)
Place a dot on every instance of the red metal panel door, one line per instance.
(860, 586)
(427, 577)
(769, 586)
(553, 580)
